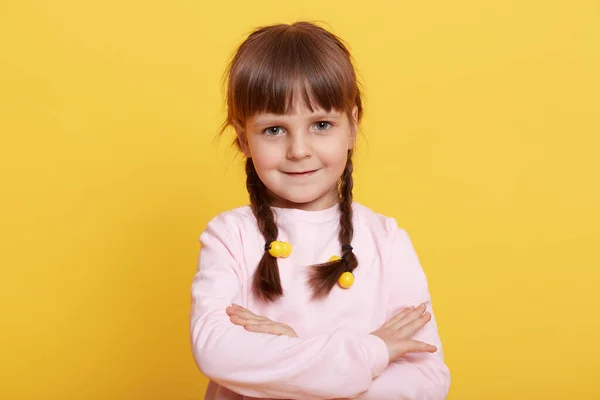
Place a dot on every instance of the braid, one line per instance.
(346, 186)
(266, 283)
(323, 277)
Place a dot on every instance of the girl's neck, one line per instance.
(324, 202)
(312, 216)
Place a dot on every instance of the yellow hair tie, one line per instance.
(347, 278)
(278, 249)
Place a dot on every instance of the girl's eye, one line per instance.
(323, 125)
(272, 131)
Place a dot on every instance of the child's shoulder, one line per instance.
(234, 219)
(377, 222)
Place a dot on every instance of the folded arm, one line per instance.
(414, 376)
(338, 365)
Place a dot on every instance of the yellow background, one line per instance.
(480, 136)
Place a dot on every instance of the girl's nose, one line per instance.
(299, 147)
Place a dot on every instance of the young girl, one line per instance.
(305, 294)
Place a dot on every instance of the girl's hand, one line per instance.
(255, 323)
(396, 333)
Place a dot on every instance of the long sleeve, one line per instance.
(338, 365)
(415, 376)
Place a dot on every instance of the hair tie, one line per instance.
(268, 245)
(347, 278)
(278, 249)
(347, 249)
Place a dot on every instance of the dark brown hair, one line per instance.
(275, 65)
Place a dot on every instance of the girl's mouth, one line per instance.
(301, 173)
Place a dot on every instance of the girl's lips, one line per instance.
(303, 173)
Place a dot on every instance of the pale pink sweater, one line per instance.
(334, 355)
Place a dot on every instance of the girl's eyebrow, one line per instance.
(271, 119)
(326, 115)
(265, 123)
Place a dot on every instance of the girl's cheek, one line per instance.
(266, 154)
(336, 153)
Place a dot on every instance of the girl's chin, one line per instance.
(305, 202)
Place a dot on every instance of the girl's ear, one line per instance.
(241, 138)
(353, 127)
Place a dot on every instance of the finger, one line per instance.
(241, 321)
(273, 329)
(238, 307)
(249, 314)
(241, 310)
(415, 346)
(245, 313)
(237, 320)
(399, 316)
(230, 311)
(410, 317)
(407, 331)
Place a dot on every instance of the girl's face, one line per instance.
(300, 157)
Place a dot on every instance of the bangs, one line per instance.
(275, 72)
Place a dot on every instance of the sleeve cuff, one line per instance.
(377, 354)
